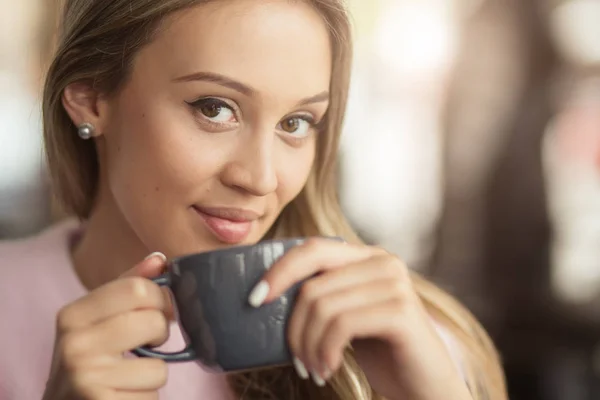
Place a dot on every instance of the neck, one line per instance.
(109, 246)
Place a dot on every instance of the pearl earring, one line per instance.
(86, 131)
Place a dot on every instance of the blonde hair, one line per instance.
(97, 44)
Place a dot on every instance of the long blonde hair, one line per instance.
(97, 43)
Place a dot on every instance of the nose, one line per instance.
(252, 169)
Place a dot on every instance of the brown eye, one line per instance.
(215, 110)
(297, 126)
(290, 125)
(211, 110)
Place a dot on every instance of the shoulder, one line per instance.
(36, 280)
(32, 263)
(47, 244)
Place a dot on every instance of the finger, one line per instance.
(137, 395)
(117, 335)
(116, 297)
(142, 374)
(377, 268)
(312, 315)
(134, 329)
(383, 321)
(122, 395)
(314, 256)
(152, 270)
(151, 267)
(169, 309)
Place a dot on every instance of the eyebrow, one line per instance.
(241, 87)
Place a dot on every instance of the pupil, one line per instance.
(290, 125)
(211, 110)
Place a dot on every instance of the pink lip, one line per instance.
(229, 225)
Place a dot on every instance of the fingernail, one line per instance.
(259, 294)
(327, 374)
(318, 380)
(300, 369)
(157, 254)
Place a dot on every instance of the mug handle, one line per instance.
(187, 354)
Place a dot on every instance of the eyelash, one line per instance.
(197, 104)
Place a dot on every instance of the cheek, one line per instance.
(293, 172)
(156, 160)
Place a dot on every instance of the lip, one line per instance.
(228, 225)
(230, 214)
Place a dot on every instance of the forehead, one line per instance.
(272, 45)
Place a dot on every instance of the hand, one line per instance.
(95, 331)
(362, 296)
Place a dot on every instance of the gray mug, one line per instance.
(211, 295)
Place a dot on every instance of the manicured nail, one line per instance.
(326, 374)
(318, 380)
(157, 254)
(300, 369)
(259, 294)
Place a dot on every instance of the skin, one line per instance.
(159, 156)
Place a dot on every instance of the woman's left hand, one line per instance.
(362, 295)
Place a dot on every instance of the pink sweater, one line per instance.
(36, 280)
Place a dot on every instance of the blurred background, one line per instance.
(471, 149)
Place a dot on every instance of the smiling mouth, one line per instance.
(228, 225)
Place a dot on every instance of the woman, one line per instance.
(182, 126)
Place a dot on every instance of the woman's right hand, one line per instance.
(94, 333)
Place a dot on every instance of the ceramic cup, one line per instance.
(225, 333)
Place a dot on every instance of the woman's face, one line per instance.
(215, 132)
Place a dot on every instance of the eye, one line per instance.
(298, 126)
(215, 110)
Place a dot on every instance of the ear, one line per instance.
(85, 105)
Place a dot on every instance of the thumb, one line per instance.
(151, 267)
